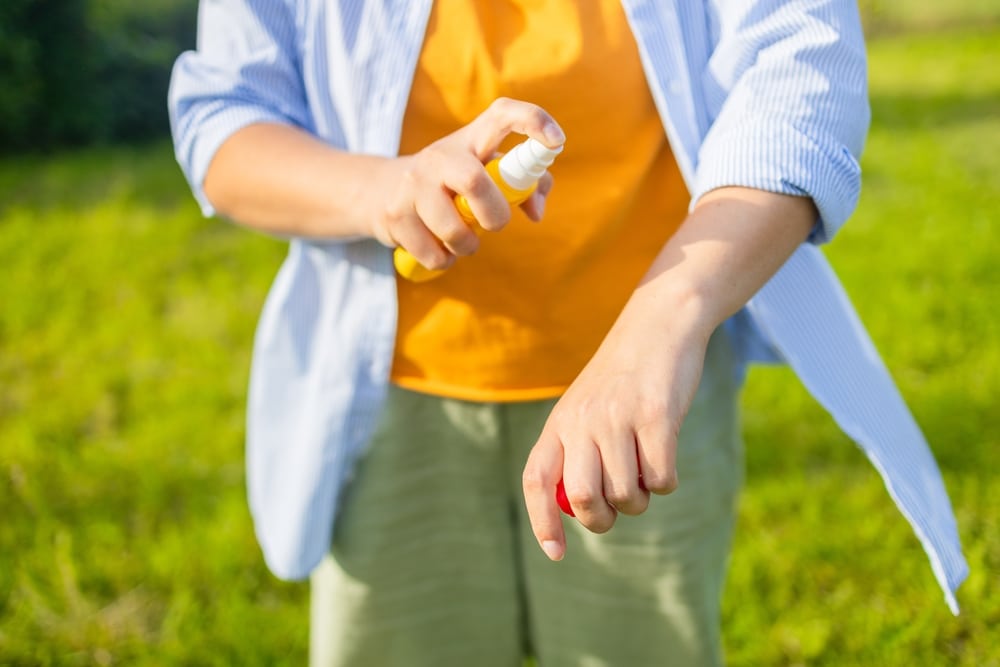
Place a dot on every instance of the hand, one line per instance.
(618, 420)
(413, 195)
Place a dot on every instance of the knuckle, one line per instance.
(452, 231)
(584, 499)
(601, 525)
(507, 109)
(436, 261)
(560, 419)
(638, 507)
(501, 104)
(616, 409)
(427, 164)
(532, 480)
(472, 180)
(538, 114)
(430, 155)
(652, 409)
(631, 503)
(463, 243)
(662, 483)
(411, 173)
(620, 497)
(581, 410)
(497, 219)
(395, 210)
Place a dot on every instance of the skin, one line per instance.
(622, 414)
(307, 188)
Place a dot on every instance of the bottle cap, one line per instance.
(525, 163)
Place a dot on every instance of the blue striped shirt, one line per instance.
(769, 94)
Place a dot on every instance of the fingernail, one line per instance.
(553, 134)
(539, 208)
(552, 549)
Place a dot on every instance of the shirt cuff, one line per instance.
(216, 121)
(778, 157)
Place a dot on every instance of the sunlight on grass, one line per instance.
(825, 570)
(125, 340)
(124, 346)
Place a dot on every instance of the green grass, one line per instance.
(124, 346)
(825, 571)
(125, 333)
(882, 17)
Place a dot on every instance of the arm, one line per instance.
(785, 92)
(242, 131)
(623, 412)
(279, 179)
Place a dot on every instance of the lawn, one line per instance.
(125, 334)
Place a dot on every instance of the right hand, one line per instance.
(412, 196)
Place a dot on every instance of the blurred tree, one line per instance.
(86, 71)
(137, 45)
(41, 91)
(20, 84)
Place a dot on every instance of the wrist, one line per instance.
(683, 308)
(365, 208)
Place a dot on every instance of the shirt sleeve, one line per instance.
(245, 70)
(787, 87)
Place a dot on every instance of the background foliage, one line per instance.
(87, 71)
(81, 72)
(125, 333)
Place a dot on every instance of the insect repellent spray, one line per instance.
(516, 174)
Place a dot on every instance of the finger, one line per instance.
(409, 232)
(541, 475)
(436, 209)
(404, 225)
(621, 475)
(583, 476)
(467, 177)
(425, 248)
(534, 206)
(656, 446)
(506, 115)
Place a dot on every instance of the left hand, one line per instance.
(623, 413)
(619, 419)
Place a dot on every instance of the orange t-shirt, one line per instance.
(519, 319)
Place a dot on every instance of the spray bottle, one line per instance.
(516, 174)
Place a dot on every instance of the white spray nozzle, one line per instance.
(526, 163)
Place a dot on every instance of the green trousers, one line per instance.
(433, 561)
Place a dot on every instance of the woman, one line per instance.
(574, 348)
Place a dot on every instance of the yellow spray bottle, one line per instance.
(516, 174)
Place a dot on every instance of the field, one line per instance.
(125, 333)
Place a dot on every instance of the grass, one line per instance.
(125, 339)
(825, 571)
(883, 17)
(124, 344)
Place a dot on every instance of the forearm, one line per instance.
(728, 248)
(280, 180)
